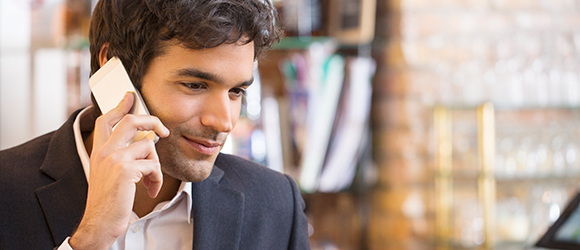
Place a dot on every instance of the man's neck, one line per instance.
(143, 204)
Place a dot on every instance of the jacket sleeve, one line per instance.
(299, 238)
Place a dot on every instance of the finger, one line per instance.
(145, 149)
(146, 182)
(130, 124)
(140, 150)
(149, 171)
(142, 157)
(104, 124)
(154, 187)
(152, 190)
(151, 174)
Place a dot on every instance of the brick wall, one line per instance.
(515, 53)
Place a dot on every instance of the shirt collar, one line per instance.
(81, 150)
(184, 189)
(78, 128)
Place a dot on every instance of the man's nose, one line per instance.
(217, 113)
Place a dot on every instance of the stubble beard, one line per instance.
(177, 165)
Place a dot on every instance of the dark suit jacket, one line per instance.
(242, 205)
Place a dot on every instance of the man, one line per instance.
(83, 187)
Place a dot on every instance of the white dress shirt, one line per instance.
(168, 226)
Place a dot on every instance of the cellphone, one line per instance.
(109, 85)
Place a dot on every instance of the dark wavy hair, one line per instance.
(137, 30)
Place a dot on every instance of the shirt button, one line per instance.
(136, 228)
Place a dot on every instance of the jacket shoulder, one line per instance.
(263, 188)
(22, 159)
(274, 208)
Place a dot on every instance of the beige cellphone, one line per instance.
(109, 85)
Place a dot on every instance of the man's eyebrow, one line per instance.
(247, 83)
(199, 74)
(208, 76)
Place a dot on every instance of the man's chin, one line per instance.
(181, 162)
(200, 175)
(196, 172)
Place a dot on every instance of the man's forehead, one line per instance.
(192, 45)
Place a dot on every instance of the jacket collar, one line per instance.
(63, 201)
(218, 211)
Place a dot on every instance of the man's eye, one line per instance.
(194, 85)
(238, 92)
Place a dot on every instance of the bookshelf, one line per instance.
(336, 200)
(321, 73)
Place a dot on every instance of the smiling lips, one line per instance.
(205, 147)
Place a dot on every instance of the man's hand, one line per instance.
(115, 168)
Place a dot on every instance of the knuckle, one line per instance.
(146, 143)
(100, 121)
(153, 166)
(101, 155)
(124, 166)
(115, 158)
(129, 119)
(150, 143)
(120, 165)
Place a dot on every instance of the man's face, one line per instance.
(197, 94)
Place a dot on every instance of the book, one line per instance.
(321, 113)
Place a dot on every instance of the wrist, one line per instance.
(87, 237)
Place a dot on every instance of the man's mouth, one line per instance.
(206, 147)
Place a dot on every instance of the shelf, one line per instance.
(467, 175)
(537, 179)
(466, 169)
(499, 108)
(299, 43)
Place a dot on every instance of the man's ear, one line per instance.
(103, 54)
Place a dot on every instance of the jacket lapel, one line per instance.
(217, 213)
(63, 201)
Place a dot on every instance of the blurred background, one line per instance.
(408, 124)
